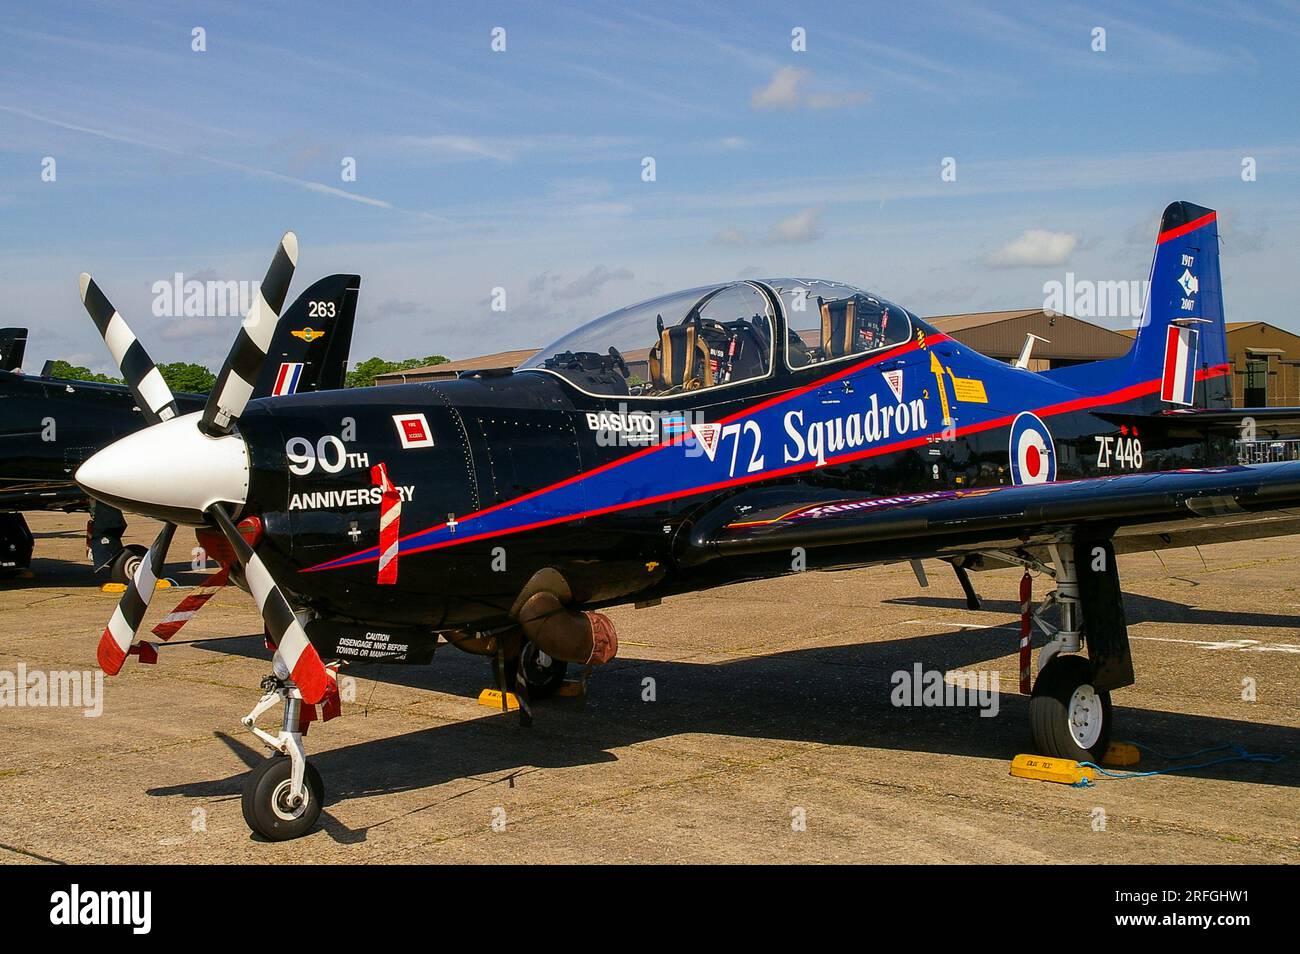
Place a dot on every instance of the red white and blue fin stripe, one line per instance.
(286, 382)
(1178, 382)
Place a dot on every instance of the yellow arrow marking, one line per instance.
(937, 369)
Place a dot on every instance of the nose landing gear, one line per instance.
(284, 795)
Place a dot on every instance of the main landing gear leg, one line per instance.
(282, 796)
(1070, 708)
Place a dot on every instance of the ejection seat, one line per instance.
(853, 325)
(679, 361)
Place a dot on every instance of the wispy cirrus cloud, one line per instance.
(311, 185)
(453, 147)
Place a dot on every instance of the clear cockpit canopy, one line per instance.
(718, 335)
(704, 337)
(828, 320)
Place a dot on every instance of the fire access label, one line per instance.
(413, 430)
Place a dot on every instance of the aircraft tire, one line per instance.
(125, 563)
(266, 810)
(1070, 719)
(543, 680)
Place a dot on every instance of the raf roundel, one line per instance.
(1033, 455)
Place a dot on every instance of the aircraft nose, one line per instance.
(170, 471)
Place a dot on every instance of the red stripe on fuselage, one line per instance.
(1064, 407)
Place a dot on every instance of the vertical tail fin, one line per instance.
(1181, 339)
(310, 349)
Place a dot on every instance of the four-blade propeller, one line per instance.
(207, 473)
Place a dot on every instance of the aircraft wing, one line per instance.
(1153, 510)
(41, 498)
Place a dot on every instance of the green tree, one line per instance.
(187, 377)
(363, 375)
(75, 372)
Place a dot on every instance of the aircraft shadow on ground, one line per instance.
(53, 573)
(837, 695)
(1137, 609)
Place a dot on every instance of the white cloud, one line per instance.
(787, 90)
(782, 92)
(1034, 247)
(803, 226)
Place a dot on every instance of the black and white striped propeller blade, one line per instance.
(152, 395)
(115, 643)
(239, 374)
(291, 644)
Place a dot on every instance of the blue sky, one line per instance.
(522, 169)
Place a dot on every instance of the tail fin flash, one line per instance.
(1181, 339)
(13, 343)
(311, 345)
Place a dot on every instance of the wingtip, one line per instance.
(290, 243)
(85, 284)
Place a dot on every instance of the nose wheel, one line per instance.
(126, 563)
(271, 808)
(284, 795)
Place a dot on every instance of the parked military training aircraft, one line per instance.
(499, 512)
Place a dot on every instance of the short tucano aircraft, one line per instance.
(733, 432)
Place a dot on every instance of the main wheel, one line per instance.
(1069, 717)
(267, 809)
(544, 673)
(126, 563)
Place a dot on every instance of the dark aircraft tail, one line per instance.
(1181, 342)
(13, 343)
(311, 345)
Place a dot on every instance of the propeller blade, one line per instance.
(239, 374)
(194, 601)
(291, 643)
(151, 392)
(115, 643)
